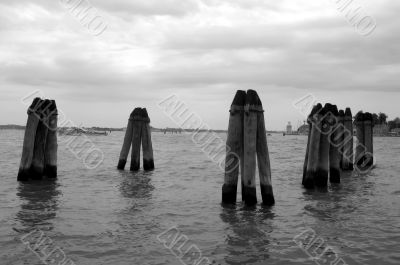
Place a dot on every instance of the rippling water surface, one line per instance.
(105, 216)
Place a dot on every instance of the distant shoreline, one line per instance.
(12, 127)
(20, 127)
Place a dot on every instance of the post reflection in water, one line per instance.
(39, 204)
(136, 185)
(136, 190)
(248, 230)
(335, 215)
(133, 221)
(338, 204)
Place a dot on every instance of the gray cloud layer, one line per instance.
(213, 45)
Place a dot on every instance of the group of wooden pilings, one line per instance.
(39, 153)
(138, 132)
(330, 147)
(246, 142)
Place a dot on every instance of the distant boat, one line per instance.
(81, 131)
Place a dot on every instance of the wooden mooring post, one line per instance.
(263, 160)
(234, 148)
(138, 133)
(39, 153)
(126, 146)
(365, 144)
(310, 121)
(50, 152)
(335, 155)
(348, 147)
(360, 140)
(147, 145)
(322, 174)
(247, 142)
(369, 139)
(314, 146)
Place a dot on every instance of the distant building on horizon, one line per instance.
(289, 128)
(381, 129)
(304, 129)
(396, 130)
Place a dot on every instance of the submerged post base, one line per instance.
(135, 166)
(50, 171)
(308, 181)
(250, 196)
(121, 164)
(321, 178)
(23, 175)
(36, 173)
(229, 194)
(148, 164)
(334, 175)
(267, 195)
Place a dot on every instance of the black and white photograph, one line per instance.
(199, 132)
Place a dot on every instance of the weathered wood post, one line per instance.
(127, 144)
(309, 121)
(341, 137)
(263, 160)
(368, 139)
(360, 147)
(348, 148)
(50, 154)
(136, 139)
(335, 155)
(250, 149)
(322, 173)
(147, 145)
(138, 133)
(313, 150)
(246, 144)
(29, 141)
(234, 149)
(38, 161)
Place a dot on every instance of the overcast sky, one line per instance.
(200, 50)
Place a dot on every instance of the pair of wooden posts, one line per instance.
(138, 132)
(365, 146)
(247, 141)
(329, 147)
(39, 153)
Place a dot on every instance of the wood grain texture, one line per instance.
(29, 143)
(147, 145)
(234, 149)
(335, 155)
(50, 155)
(250, 151)
(348, 148)
(136, 140)
(264, 163)
(126, 146)
(313, 152)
